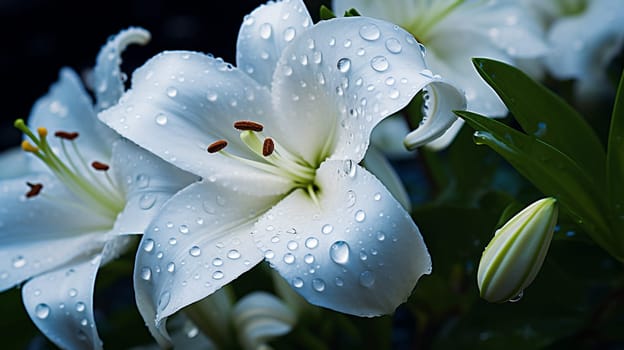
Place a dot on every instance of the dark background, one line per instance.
(38, 37)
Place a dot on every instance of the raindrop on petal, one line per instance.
(360, 215)
(147, 201)
(339, 252)
(393, 45)
(161, 119)
(218, 275)
(379, 63)
(312, 242)
(370, 32)
(297, 282)
(367, 279)
(326, 229)
(266, 30)
(148, 245)
(146, 273)
(289, 34)
(234, 254)
(171, 267)
(42, 311)
(289, 258)
(318, 284)
(195, 251)
(80, 306)
(343, 65)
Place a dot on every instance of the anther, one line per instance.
(268, 147)
(66, 135)
(217, 146)
(100, 166)
(34, 189)
(244, 125)
(43, 132)
(29, 147)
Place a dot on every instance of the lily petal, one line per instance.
(357, 251)
(259, 317)
(107, 74)
(148, 182)
(36, 237)
(196, 108)
(14, 162)
(449, 135)
(264, 34)
(60, 303)
(198, 243)
(378, 165)
(359, 71)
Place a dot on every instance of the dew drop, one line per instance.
(217, 275)
(172, 92)
(173, 241)
(142, 180)
(367, 279)
(195, 251)
(161, 119)
(234, 254)
(339, 252)
(363, 255)
(292, 245)
(339, 281)
(148, 245)
(377, 196)
(73, 292)
(19, 262)
(351, 198)
(42, 311)
(360, 215)
(308, 259)
(381, 236)
(289, 34)
(171, 267)
(269, 254)
(370, 32)
(163, 301)
(343, 65)
(297, 282)
(317, 57)
(147, 201)
(379, 63)
(80, 306)
(265, 31)
(394, 94)
(312, 242)
(289, 258)
(146, 273)
(517, 298)
(423, 49)
(393, 45)
(184, 229)
(212, 96)
(318, 284)
(326, 229)
(217, 262)
(349, 167)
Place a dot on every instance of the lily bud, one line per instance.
(515, 255)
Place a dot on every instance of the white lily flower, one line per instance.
(288, 187)
(88, 190)
(585, 37)
(454, 31)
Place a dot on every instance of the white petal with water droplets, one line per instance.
(60, 303)
(147, 182)
(378, 165)
(366, 70)
(367, 252)
(259, 317)
(264, 34)
(200, 242)
(209, 97)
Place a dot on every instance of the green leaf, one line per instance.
(552, 172)
(545, 115)
(325, 13)
(351, 13)
(615, 162)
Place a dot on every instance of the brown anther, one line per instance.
(66, 135)
(268, 147)
(99, 166)
(217, 146)
(244, 125)
(34, 189)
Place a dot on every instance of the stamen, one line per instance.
(245, 125)
(100, 166)
(217, 146)
(66, 135)
(34, 189)
(29, 147)
(268, 147)
(43, 132)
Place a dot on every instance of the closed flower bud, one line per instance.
(515, 255)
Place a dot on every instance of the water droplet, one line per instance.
(171, 267)
(377, 196)
(317, 57)
(289, 258)
(347, 43)
(308, 258)
(339, 281)
(142, 180)
(173, 241)
(249, 20)
(146, 273)
(147, 201)
(363, 255)
(184, 229)
(292, 245)
(163, 301)
(517, 298)
(326, 229)
(393, 45)
(234, 254)
(195, 251)
(339, 252)
(367, 279)
(380, 236)
(332, 42)
(266, 30)
(161, 119)
(269, 254)
(312, 242)
(349, 167)
(212, 96)
(172, 92)
(73, 292)
(148, 245)
(218, 275)
(84, 322)
(19, 262)
(379, 63)
(394, 94)
(42, 311)
(318, 284)
(360, 215)
(351, 198)
(297, 282)
(287, 70)
(289, 34)
(343, 65)
(423, 49)
(80, 306)
(370, 32)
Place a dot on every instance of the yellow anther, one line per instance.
(43, 132)
(29, 147)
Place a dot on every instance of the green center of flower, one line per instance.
(271, 156)
(422, 25)
(90, 182)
